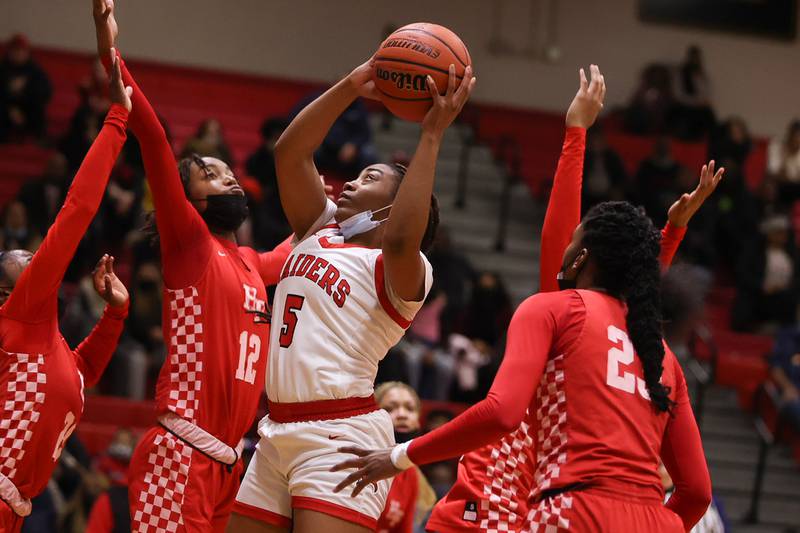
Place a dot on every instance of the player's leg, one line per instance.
(263, 503)
(307, 521)
(167, 488)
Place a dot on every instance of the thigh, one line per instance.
(263, 495)
(311, 483)
(308, 521)
(168, 488)
(244, 524)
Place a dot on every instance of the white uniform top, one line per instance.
(333, 319)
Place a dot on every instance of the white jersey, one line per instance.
(334, 318)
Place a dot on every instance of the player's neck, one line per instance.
(226, 235)
(369, 239)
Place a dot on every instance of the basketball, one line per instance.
(404, 60)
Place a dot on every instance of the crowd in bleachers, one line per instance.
(744, 238)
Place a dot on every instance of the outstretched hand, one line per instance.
(105, 25)
(372, 465)
(687, 205)
(107, 284)
(446, 107)
(119, 93)
(588, 101)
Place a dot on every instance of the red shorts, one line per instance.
(10, 522)
(587, 511)
(174, 487)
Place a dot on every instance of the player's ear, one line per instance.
(580, 259)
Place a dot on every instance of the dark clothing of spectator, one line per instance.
(658, 183)
(24, 93)
(348, 147)
(653, 102)
(454, 278)
(270, 226)
(785, 358)
(604, 175)
(489, 311)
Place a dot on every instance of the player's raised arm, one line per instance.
(682, 211)
(302, 192)
(564, 207)
(182, 231)
(94, 353)
(408, 219)
(36, 290)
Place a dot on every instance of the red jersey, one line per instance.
(401, 503)
(41, 378)
(493, 482)
(214, 292)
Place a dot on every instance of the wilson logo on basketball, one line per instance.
(416, 46)
(402, 80)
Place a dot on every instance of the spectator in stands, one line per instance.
(785, 372)
(659, 180)
(145, 324)
(693, 118)
(110, 513)
(440, 475)
(469, 358)
(653, 102)
(348, 147)
(83, 129)
(454, 279)
(24, 92)
(604, 175)
(730, 144)
(209, 141)
(270, 226)
(489, 310)
(16, 231)
(766, 278)
(93, 89)
(683, 292)
(44, 196)
(784, 156)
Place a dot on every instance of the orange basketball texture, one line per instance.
(404, 60)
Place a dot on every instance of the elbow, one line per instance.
(282, 146)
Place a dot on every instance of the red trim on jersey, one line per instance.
(262, 515)
(284, 413)
(383, 297)
(331, 509)
(329, 226)
(326, 243)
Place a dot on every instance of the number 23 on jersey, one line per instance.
(616, 376)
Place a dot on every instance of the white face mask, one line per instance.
(361, 223)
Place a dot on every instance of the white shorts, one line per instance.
(291, 470)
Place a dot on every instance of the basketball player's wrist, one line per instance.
(399, 456)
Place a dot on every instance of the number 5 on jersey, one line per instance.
(291, 309)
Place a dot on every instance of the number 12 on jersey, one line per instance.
(249, 352)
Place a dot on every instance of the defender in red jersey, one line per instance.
(185, 471)
(42, 379)
(491, 488)
(608, 400)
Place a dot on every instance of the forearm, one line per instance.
(671, 237)
(409, 215)
(781, 379)
(563, 209)
(96, 350)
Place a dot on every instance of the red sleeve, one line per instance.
(671, 237)
(101, 517)
(96, 350)
(34, 297)
(530, 336)
(564, 208)
(269, 264)
(185, 239)
(682, 453)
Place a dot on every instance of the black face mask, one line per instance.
(404, 436)
(565, 284)
(225, 212)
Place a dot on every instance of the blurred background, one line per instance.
(687, 81)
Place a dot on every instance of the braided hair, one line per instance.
(625, 246)
(433, 211)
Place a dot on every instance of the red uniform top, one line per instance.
(215, 369)
(401, 504)
(41, 378)
(492, 483)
